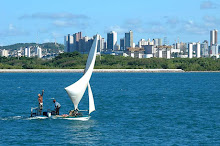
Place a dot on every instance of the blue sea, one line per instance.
(131, 109)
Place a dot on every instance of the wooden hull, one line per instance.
(80, 118)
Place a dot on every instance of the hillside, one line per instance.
(49, 46)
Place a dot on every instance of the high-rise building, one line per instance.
(111, 40)
(66, 43)
(214, 50)
(25, 52)
(129, 39)
(101, 41)
(148, 49)
(105, 46)
(100, 45)
(205, 49)
(190, 50)
(213, 37)
(71, 42)
(183, 47)
(122, 44)
(142, 42)
(76, 38)
(28, 52)
(219, 48)
(38, 52)
(198, 50)
(160, 43)
(4, 53)
(85, 44)
(156, 42)
(39, 55)
(19, 52)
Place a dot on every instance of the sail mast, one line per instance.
(91, 100)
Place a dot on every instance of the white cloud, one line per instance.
(158, 29)
(42, 15)
(62, 23)
(211, 21)
(61, 19)
(154, 23)
(172, 21)
(133, 23)
(56, 35)
(47, 40)
(13, 31)
(191, 27)
(116, 28)
(208, 5)
(11, 27)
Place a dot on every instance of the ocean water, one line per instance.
(131, 109)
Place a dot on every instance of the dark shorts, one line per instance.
(40, 106)
(57, 110)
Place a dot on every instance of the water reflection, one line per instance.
(83, 132)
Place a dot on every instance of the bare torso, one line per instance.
(40, 99)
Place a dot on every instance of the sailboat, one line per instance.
(77, 89)
(76, 92)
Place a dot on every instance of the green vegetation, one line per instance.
(76, 60)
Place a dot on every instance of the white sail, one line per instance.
(76, 90)
(91, 100)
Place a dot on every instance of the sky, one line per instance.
(26, 21)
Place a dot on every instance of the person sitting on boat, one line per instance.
(57, 107)
(40, 100)
(71, 113)
(74, 113)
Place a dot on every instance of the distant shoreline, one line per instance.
(97, 70)
(81, 70)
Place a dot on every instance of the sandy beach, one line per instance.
(81, 70)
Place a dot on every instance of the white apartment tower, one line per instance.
(38, 52)
(198, 50)
(142, 42)
(39, 55)
(100, 45)
(25, 52)
(190, 50)
(28, 52)
(4, 53)
(213, 37)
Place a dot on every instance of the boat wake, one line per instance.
(37, 118)
(11, 118)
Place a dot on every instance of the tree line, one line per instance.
(76, 60)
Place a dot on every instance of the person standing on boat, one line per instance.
(57, 107)
(40, 100)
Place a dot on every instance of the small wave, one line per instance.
(37, 117)
(11, 118)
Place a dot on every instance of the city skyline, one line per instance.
(188, 21)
